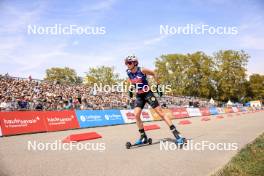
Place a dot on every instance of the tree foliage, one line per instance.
(256, 87)
(221, 76)
(103, 74)
(62, 75)
(231, 74)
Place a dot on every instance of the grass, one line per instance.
(249, 161)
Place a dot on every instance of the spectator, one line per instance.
(29, 94)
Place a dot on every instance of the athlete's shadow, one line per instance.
(165, 140)
(145, 145)
(188, 139)
(173, 139)
(155, 142)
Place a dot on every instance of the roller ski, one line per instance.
(180, 142)
(140, 142)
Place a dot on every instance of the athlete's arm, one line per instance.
(151, 73)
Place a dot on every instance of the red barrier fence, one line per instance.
(179, 113)
(205, 111)
(59, 120)
(21, 122)
(37, 121)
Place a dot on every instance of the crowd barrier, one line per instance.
(21, 122)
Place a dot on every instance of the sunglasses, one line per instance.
(129, 63)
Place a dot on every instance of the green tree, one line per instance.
(256, 87)
(172, 70)
(191, 74)
(103, 74)
(231, 74)
(62, 75)
(200, 75)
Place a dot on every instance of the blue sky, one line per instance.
(132, 27)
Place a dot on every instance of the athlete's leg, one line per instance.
(163, 115)
(140, 103)
(137, 112)
(152, 100)
(168, 121)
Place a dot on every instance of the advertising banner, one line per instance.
(205, 111)
(59, 120)
(213, 111)
(20, 122)
(221, 110)
(193, 112)
(229, 110)
(92, 118)
(129, 117)
(234, 109)
(179, 113)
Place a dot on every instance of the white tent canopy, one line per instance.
(230, 103)
(212, 101)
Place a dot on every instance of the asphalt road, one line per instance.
(108, 155)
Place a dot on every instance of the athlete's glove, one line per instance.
(159, 90)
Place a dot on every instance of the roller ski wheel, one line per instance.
(128, 145)
(149, 141)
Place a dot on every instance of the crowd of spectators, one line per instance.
(29, 94)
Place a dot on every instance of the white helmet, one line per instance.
(132, 59)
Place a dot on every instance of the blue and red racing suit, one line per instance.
(143, 93)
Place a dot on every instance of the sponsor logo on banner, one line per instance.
(221, 110)
(129, 116)
(229, 110)
(179, 113)
(205, 111)
(243, 109)
(59, 120)
(92, 118)
(249, 109)
(193, 112)
(145, 115)
(21, 122)
(239, 109)
(235, 109)
(213, 111)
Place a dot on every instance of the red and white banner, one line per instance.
(235, 109)
(221, 110)
(229, 110)
(21, 122)
(59, 120)
(129, 116)
(205, 111)
(193, 112)
(179, 113)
